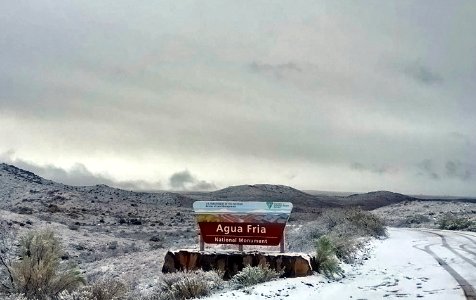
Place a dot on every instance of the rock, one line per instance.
(230, 263)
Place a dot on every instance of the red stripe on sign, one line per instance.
(242, 233)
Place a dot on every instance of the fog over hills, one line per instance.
(21, 190)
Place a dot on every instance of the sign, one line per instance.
(243, 223)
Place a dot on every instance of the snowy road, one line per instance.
(411, 264)
(456, 253)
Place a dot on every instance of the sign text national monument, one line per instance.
(242, 223)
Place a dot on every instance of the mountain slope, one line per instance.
(302, 202)
(24, 192)
(375, 200)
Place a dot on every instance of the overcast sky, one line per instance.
(328, 95)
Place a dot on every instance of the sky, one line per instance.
(200, 95)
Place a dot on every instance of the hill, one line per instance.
(23, 191)
(373, 200)
(125, 233)
(302, 202)
(26, 193)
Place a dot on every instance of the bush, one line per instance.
(253, 275)
(369, 223)
(345, 247)
(451, 222)
(7, 250)
(353, 222)
(104, 289)
(325, 261)
(108, 289)
(13, 297)
(414, 220)
(39, 273)
(186, 285)
(301, 239)
(345, 228)
(81, 294)
(73, 227)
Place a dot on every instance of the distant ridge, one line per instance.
(20, 188)
(302, 202)
(373, 200)
(259, 190)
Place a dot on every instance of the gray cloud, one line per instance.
(461, 138)
(357, 166)
(451, 169)
(423, 74)
(202, 185)
(77, 175)
(459, 170)
(180, 179)
(278, 70)
(426, 168)
(184, 180)
(262, 93)
(372, 168)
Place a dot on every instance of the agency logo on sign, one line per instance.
(269, 204)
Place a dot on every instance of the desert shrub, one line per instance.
(345, 247)
(333, 217)
(112, 245)
(39, 273)
(451, 222)
(108, 289)
(104, 289)
(412, 220)
(366, 222)
(186, 285)
(353, 222)
(74, 227)
(344, 224)
(7, 250)
(13, 297)
(301, 239)
(156, 238)
(81, 294)
(24, 210)
(325, 260)
(155, 246)
(253, 275)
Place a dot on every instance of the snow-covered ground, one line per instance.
(410, 264)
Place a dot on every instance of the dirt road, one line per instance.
(455, 252)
